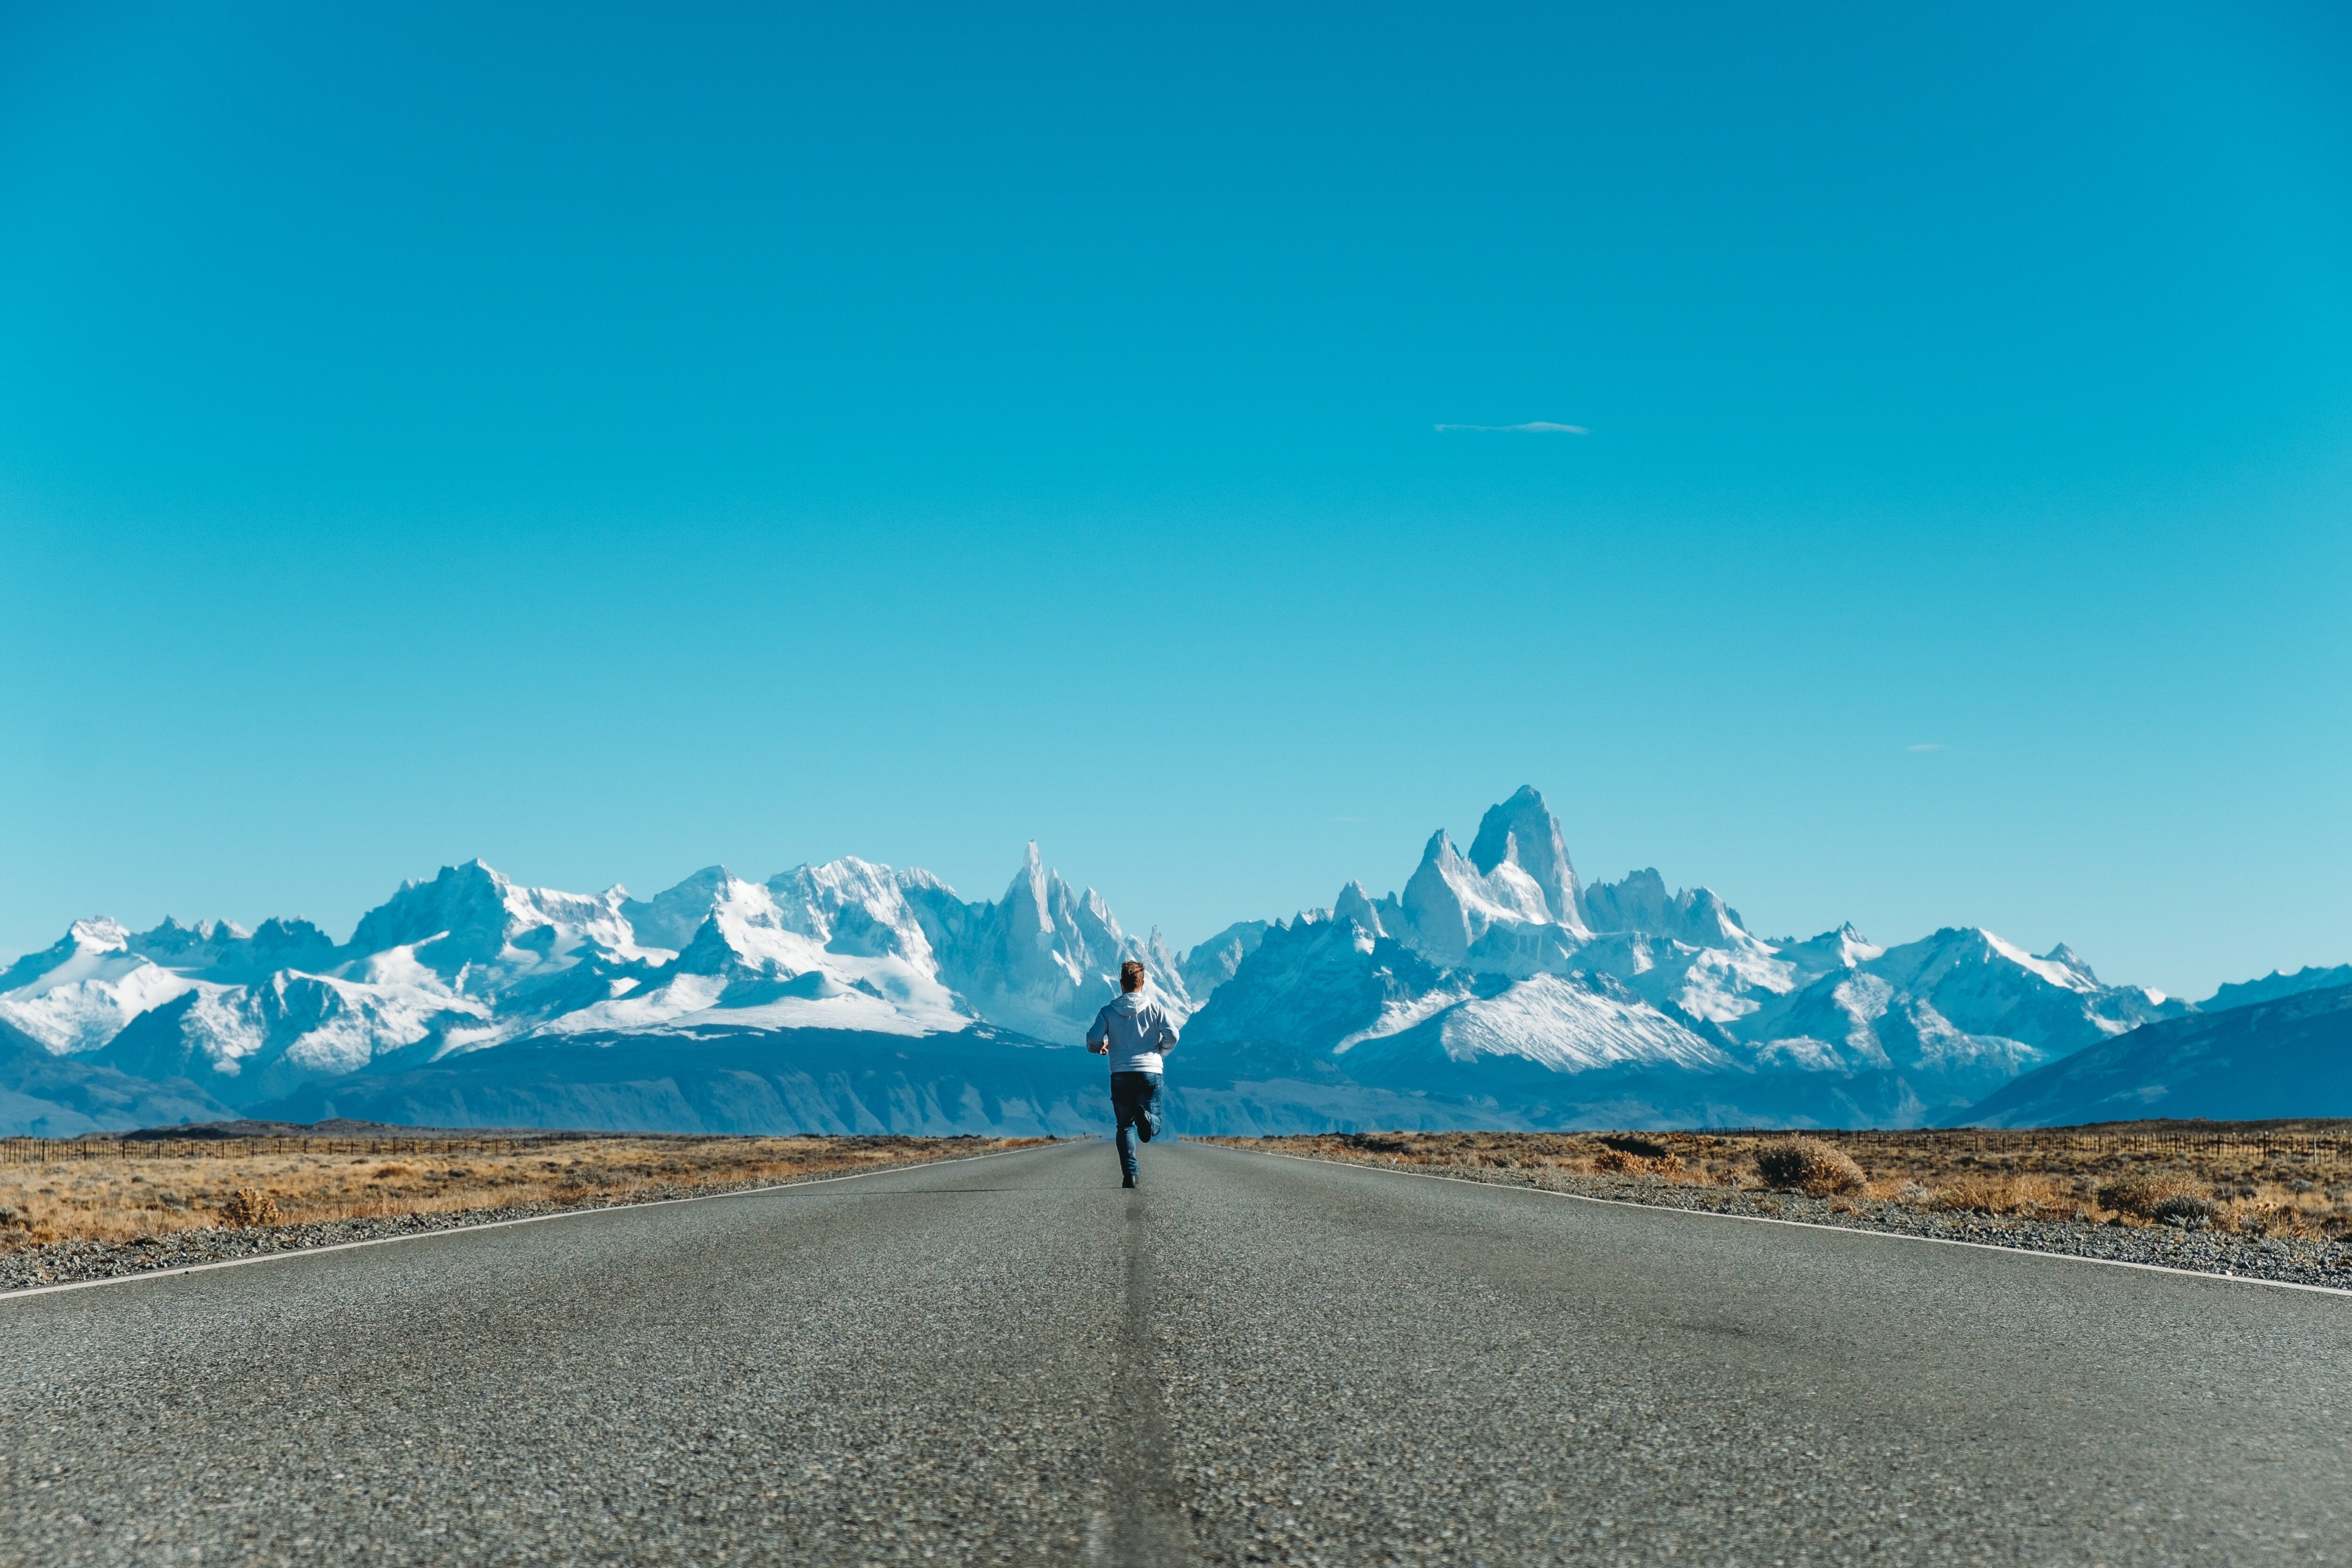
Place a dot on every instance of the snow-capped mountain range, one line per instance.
(470, 960)
(1664, 1007)
(1495, 989)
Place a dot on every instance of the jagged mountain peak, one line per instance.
(169, 935)
(471, 918)
(671, 917)
(1951, 947)
(2066, 957)
(100, 935)
(1639, 902)
(1029, 897)
(469, 898)
(1356, 904)
(85, 938)
(79, 993)
(1839, 949)
(1523, 832)
(1451, 909)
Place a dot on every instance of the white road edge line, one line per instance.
(1805, 1224)
(145, 1275)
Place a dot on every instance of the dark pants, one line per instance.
(1135, 1101)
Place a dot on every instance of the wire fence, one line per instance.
(56, 1150)
(2325, 1148)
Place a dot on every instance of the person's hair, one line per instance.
(1130, 977)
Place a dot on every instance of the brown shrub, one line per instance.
(1615, 1158)
(249, 1205)
(1634, 1143)
(2189, 1211)
(1810, 1166)
(2141, 1196)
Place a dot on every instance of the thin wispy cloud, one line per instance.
(1532, 427)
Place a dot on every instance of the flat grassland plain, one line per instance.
(2267, 1200)
(2271, 1200)
(101, 1207)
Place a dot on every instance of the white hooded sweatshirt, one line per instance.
(1138, 1030)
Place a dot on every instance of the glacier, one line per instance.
(1497, 988)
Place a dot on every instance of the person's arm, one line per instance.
(1165, 1041)
(1098, 1037)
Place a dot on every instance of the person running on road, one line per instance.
(1133, 1031)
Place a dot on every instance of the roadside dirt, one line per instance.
(120, 1190)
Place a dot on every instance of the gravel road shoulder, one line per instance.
(78, 1261)
(2286, 1260)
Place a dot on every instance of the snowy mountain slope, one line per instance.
(833, 946)
(1321, 984)
(1463, 949)
(1866, 1043)
(1985, 984)
(465, 960)
(471, 921)
(670, 918)
(76, 996)
(1328, 1011)
(1715, 989)
(1940, 1023)
(1567, 1024)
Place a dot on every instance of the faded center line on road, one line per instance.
(1146, 1520)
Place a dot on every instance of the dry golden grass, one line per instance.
(119, 1195)
(2029, 1195)
(2097, 1175)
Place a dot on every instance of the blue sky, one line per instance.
(608, 442)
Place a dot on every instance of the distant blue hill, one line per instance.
(2273, 985)
(47, 1096)
(723, 1080)
(2288, 1058)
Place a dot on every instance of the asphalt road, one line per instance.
(1251, 1360)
